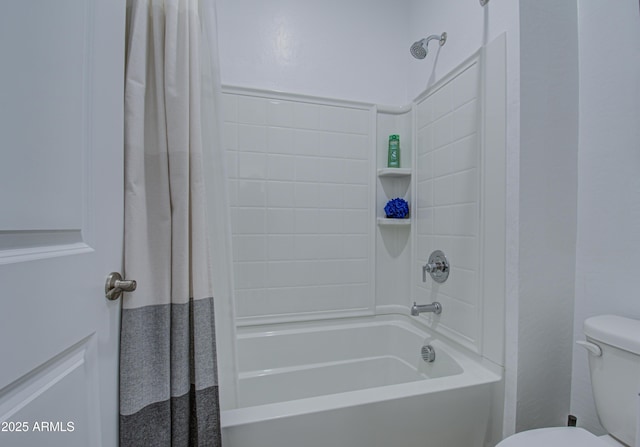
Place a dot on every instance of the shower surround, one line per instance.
(308, 184)
(300, 176)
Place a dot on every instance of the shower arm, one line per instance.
(440, 38)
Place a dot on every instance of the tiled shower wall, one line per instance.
(448, 201)
(300, 176)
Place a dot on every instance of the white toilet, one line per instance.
(614, 360)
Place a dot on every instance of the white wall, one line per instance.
(352, 50)
(608, 239)
(548, 189)
(468, 26)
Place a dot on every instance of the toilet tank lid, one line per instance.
(620, 332)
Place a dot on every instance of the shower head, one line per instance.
(420, 48)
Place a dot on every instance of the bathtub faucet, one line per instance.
(434, 307)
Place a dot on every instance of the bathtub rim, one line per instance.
(476, 371)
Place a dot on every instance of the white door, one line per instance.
(61, 183)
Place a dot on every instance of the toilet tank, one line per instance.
(615, 375)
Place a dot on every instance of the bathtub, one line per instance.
(358, 382)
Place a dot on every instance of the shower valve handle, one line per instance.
(437, 266)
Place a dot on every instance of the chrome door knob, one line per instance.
(116, 285)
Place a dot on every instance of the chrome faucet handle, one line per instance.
(437, 266)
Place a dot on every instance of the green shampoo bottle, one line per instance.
(393, 160)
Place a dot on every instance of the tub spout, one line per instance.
(434, 307)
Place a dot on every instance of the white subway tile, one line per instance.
(306, 142)
(331, 144)
(248, 221)
(459, 317)
(425, 247)
(425, 140)
(249, 302)
(232, 184)
(332, 119)
(443, 191)
(330, 196)
(442, 220)
(306, 116)
(343, 119)
(282, 274)
(465, 220)
(425, 166)
(252, 138)
(465, 120)
(356, 296)
(250, 275)
(250, 247)
(424, 221)
(355, 196)
(229, 108)
(444, 243)
(280, 141)
(356, 172)
(355, 246)
(466, 86)
(354, 271)
(306, 195)
(425, 194)
(330, 221)
(465, 252)
(356, 221)
(230, 136)
(443, 131)
(231, 158)
(280, 113)
(306, 221)
(315, 247)
(252, 110)
(280, 194)
(281, 167)
(333, 170)
(442, 101)
(320, 273)
(280, 247)
(280, 221)
(355, 146)
(323, 170)
(252, 165)
(465, 287)
(251, 193)
(425, 112)
(465, 153)
(466, 186)
(442, 161)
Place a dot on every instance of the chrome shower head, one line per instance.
(420, 48)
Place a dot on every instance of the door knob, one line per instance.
(115, 285)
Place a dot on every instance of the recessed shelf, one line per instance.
(394, 172)
(389, 222)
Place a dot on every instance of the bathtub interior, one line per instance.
(284, 363)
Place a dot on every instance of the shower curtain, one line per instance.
(168, 367)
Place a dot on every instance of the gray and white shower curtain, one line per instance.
(168, 368)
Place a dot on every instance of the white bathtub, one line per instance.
(356, 383)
